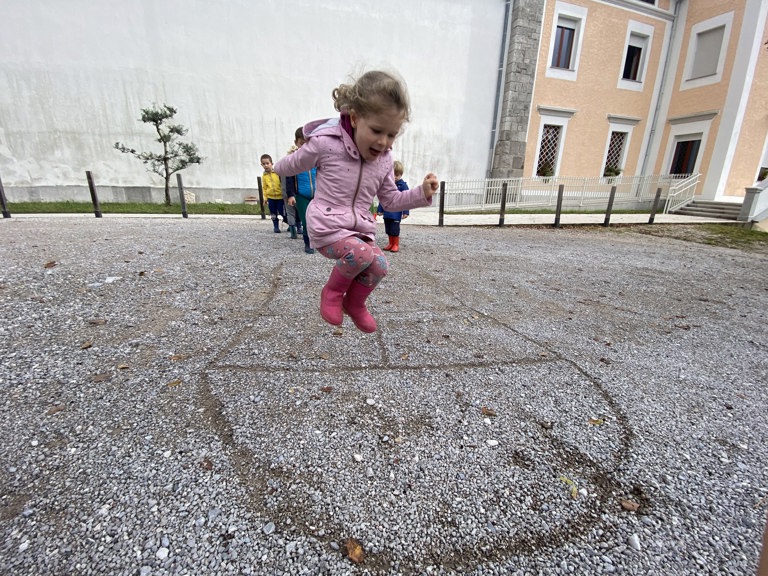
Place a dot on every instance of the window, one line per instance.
(687, 136)
(549, 146)
(614, 158)
(707, 48)
(565, 42)
(564, 37)
(632, 62)
(620, 130)
(552, 127)
(636, 55)
(684, 160)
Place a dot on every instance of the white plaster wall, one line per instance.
(243, 74)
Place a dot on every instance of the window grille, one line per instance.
(548, 148)
(615, 150)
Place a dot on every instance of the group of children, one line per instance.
(288, 199)
(338, 165)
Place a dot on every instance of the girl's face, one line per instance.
(375, 133)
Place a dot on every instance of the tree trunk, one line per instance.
(167, 176)
(167, 189)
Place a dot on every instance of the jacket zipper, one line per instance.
(357, 189)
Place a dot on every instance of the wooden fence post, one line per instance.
(4, 202)
(655, 206)
(559, 209)
(94, 195)
(261, 198)
(503, 208)
(609, 209)
(182, 198)
(442, 204)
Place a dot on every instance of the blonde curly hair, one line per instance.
(372, 93)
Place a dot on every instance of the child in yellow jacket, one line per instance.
(273, 193)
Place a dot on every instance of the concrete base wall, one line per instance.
(122, 194)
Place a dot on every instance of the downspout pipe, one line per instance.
(499, 86)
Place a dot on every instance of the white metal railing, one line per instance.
(682, 193)
(523, 193)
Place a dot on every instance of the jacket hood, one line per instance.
(322, 127)
(332, 127)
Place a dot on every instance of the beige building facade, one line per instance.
(648, 87)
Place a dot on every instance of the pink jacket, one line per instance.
(346, 184)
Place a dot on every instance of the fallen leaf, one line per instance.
(596, 421)
(355, 551)
(572, 484)
(326, 389)
(177, 357)
(324, 356)
(102, 377)
(50, 264)
(338, 332)
(123, 366)
(629, 505)
(55, 409)
(85, 345)
(97, 321)
(206, 464)
(485, 411)
(174, 382)
(405, 356)
(605, 360)
(292, 355)
(142, 273)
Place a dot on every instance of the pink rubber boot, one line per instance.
(354, 306)
(331, 296)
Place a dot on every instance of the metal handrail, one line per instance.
(681, 194)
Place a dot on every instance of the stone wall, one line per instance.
(524, 32)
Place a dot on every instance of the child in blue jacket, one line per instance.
(392, 219)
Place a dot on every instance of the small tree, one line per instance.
(176, 155)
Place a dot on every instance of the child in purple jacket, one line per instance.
(353, 157)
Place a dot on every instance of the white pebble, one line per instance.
(634, 542)
(358, 457)
(492, 442)
(162, 553)
(370, 401)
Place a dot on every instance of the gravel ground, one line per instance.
(536, 401)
